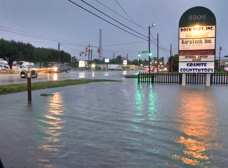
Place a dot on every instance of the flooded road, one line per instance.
(6, 79)
(116, 124)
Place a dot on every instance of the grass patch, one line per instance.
(14, 88)
(131, 76)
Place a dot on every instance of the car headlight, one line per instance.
(55, 68)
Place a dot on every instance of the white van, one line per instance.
(4, 68)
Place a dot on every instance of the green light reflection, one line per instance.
(145, 107)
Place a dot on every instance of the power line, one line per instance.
(159, 44)
(15, 31)
(108, 17)
(69, 48)
(112, 19)
(119, 14)
(162, 48)
(125, 11)
(124, 43)
(24, 33)
(106, 20)
(153, 42)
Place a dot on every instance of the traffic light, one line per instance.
(139, 54)
(98, 50)
(86, 49)
(150, 54)
(80, 53)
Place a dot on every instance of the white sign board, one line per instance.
(124, 62)
(81, 64)
(195, 44)
(106, 60)
(196, 67)
(197, 32)
(197, 58)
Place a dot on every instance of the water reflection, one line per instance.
(198, 121)
(143, 119)
(52, 123)
(106, 74)
(93, 74)
(124, 72)
(145, 105)
(81, 74)
(53, 76)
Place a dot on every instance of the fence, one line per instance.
(175, 77)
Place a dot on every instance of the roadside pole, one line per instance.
(29, 89)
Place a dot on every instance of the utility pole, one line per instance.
(170, 59)
(149, 54)
(149, 47)
(171, 50)
(88, 57)
(157, 51)
(100, 46)
(220, 48)
(59, 51)
(91, 57)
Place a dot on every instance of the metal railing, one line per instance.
(175, 77)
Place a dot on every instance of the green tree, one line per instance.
(74, 62)
(42, 56)
(9, 51)
(97, 61)
(65, 57)
(26, 52)
(174, 63)
(16, 51)
(119, 59)
(137, 62)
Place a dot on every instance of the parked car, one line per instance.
(150, 70)
(59, 68)
(4, 69)
(31, 67)
(21, 68)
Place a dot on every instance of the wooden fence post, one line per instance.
(29, 88)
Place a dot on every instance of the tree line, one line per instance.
(12, 51)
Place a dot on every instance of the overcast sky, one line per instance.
(45, 23)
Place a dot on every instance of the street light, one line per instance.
(149, 54)
(139, 55)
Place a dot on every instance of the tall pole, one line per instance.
(149, 54)
(138, 63)
(157, 51)
(91, 58)
(220, 48)
(169, 59)
(88, 57)
(59, 51)
(149, 47)
(100, 46)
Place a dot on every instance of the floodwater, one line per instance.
(6, 79)
(116, 125)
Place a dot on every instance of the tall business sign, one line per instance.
(197, 38)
